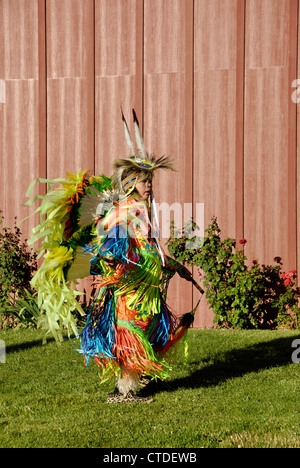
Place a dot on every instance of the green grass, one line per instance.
(238, 389)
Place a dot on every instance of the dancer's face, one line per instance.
(144, 189)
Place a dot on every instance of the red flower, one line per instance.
(243, 241)
(254, 262)
(287, 282)
(289, 274)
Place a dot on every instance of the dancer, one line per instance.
(107, 228)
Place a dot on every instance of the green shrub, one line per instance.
(240, 295)
(17, 266)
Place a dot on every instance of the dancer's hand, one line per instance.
(110, 262)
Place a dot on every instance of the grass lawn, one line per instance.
(238, 389)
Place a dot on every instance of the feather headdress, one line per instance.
(139, 165)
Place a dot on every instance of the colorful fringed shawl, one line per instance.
(129, 326)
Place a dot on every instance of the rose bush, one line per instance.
(240, 295)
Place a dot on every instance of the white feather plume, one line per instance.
(138, 136)
(128, 136)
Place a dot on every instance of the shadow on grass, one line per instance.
(232, 364)
(27, 345)
(215, 369)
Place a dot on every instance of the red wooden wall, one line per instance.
(211, 81)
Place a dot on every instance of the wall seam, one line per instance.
(244, 100)
(46, 96)
(94, 80)
(143, 67)
(193, 118)
(297, 151)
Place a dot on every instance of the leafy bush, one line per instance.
(241, 296)
(25, 309)
(288, 302)
(17, 266)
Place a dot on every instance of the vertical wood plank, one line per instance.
(270, 131)
(168, 117)
(70, 86)
(218, 116)
(239, 155)
(118, 76)
(42, 92)
(19, 115)
(291, 260)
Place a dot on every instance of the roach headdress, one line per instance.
(139, 165)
